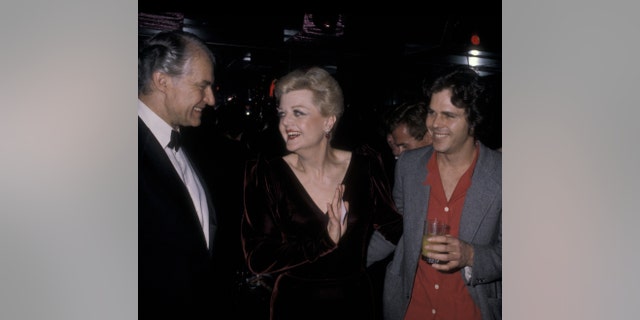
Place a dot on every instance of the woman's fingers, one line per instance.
(337, 212)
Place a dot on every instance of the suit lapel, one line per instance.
(476, 205)
(152, 154)
(418, 203)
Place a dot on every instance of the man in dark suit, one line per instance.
(177, 221)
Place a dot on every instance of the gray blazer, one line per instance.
(480, 225)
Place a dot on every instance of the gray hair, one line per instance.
(168, 52)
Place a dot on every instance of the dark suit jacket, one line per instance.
(175, 268)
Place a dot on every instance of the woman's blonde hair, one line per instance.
(327, 94)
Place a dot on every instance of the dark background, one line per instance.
(380, 62)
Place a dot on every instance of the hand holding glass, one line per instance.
(432, 227)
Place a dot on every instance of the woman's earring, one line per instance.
(327, 134)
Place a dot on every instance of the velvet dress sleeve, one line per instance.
(386, 220)
(278, 232)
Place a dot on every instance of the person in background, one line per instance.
(392, 145)
(406, 125)
(309, 215)
(408, 128)
(177, 222)
(458, 180)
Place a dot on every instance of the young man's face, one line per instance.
(447, 124)
(405, 141)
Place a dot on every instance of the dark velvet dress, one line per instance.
(285, 233)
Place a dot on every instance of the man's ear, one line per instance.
(160, 81)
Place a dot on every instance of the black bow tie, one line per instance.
(176, 140)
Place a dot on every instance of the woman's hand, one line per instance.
(337, 212)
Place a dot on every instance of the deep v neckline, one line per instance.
(304, 193)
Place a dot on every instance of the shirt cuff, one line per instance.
(467, 272)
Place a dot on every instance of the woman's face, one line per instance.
(301, 124)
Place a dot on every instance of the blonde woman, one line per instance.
(310, 214)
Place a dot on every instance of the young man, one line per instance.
(459, 180)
